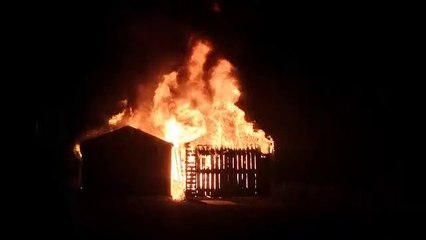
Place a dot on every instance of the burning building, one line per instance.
(216, 151)
(225, 172)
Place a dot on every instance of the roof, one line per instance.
(125, 132)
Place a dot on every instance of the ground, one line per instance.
(162, 218)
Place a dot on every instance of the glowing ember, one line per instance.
(196, 105)
(77, 151)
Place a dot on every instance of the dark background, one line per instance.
(315, 77)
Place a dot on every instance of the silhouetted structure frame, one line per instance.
(126, 161)
(226, 172)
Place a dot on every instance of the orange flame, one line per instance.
(77, 151)
(115, 119)
(197, 105)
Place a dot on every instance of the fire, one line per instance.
(77, 151)
(116, 118)
(197, 105)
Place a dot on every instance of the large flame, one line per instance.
(196, 105)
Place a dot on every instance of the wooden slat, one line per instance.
(231, 172)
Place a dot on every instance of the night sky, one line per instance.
(312, 77)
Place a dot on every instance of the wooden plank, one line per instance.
(230, 172)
